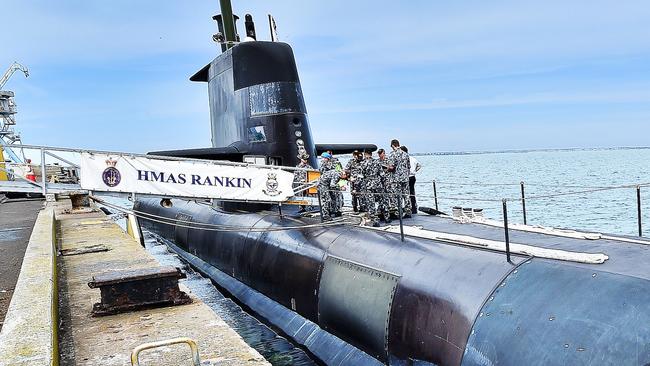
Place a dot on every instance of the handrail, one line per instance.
(160, 157)
(196, 360)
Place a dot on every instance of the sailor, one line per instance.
(354, 167)
(336, 165)
(328, 189)
(326, 163)
(29, 171)
(415, 167)
(335, 161)
(300, 176)
(373, 198)
(399, 162)
(385, 199)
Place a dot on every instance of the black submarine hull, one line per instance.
(423, 301)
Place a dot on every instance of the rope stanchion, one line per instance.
(401, 216)
(523, 201)
(638, 209)
(320, 205)
(435, 194)
(505, 226)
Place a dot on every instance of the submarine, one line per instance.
(446, 294)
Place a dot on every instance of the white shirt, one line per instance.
(415, 166)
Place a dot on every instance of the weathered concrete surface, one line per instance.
(17, 218)
(29, 333)
(108, 340)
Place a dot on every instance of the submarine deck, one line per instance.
(622, 251)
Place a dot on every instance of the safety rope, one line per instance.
(508, 199)
(224, 228)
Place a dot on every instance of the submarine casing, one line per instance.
(422, 300)
(414, 302)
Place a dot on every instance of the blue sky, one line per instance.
(438, 75)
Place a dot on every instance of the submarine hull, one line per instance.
(420, 300)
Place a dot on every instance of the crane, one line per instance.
(10, 71)
(8, 136)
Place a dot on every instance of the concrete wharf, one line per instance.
(49, 321)
(17, 217)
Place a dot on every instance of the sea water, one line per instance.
(466, 179)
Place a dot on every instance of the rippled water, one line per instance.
(276, 349)
(545, 172)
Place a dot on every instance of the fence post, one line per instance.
(523, 201)
(43, 172)
(505, 226)
(435, 194)
(400, 213)
(638, 208)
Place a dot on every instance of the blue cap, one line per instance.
(326, 155)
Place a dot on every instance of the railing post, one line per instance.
(43, 172)
(638, 208)
(280, 209)
(399, 210)
(505, 226)
(435, 194)
(523, 201)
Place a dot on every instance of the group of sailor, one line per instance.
(378, 185)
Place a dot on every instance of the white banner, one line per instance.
(122, 173)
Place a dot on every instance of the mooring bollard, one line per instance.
(638, 208)
(523, 201)
(505, 226)
(435, 194)
(400, 213)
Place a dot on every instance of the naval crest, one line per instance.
(272, 185)
(111, 176)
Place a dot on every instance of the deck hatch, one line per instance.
(354, 302)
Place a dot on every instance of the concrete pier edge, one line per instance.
(30, 332)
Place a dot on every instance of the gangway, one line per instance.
(60, 170)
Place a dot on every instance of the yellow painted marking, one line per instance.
(3, 174)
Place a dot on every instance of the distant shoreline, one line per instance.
(515, 151)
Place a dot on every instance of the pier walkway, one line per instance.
(43, 330)
(18, 217)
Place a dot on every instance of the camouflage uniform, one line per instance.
(300, 178)
(354, 169)
(328, 189)
(326, 165)
(387, 185)
(373, 198)
(336, 165)
(400, 178)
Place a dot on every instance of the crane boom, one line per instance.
(10, 71)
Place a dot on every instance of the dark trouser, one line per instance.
(356, 202)
(414, 207)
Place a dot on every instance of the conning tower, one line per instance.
(257, 109)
